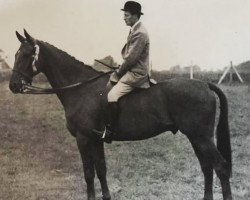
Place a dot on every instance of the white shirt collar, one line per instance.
(132, 28)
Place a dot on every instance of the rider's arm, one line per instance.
(136, 46)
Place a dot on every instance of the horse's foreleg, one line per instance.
(101, 170)
(85, 147)
(207, 170)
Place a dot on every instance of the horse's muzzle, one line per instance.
(16, 87)
(17, 83)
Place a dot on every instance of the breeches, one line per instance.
(119, 90)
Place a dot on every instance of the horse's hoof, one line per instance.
(91, 198)
(108, 197)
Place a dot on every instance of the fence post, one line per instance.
(239, 77)
(231, 72)
(191, 71)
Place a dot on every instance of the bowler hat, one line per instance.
(132, 7)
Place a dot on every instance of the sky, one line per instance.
(182, 32)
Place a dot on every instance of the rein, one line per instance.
(29, 89)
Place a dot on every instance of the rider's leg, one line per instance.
(111, 111)
(119, 90)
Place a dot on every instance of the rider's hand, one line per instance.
(109, 86)
(114, 77)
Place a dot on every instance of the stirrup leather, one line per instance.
(104, 133)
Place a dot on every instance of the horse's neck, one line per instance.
(63, 70)
(60, 68)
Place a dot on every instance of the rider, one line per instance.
(134, 71)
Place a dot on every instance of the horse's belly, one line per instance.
(141, 128)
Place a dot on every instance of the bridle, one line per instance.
(23, 76)
(35, 56)
(27, 88)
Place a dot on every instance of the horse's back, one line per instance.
(174, 102)
(176, 88)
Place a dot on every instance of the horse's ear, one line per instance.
(28, 37)
(20, 37)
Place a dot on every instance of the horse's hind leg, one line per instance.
(85, 147)
(222, 170)
(209, 152)
(207, 170)
(101, 170)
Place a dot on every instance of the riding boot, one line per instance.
(111, 116)
(110, 119)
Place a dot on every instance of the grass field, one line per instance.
(39, 159)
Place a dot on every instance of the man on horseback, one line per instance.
(133, 72)
(166, 108)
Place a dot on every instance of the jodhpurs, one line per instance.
(119, 90)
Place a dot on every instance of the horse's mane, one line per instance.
(65, 56)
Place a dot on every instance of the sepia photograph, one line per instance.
(124, 100)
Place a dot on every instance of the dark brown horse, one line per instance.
(177, 104)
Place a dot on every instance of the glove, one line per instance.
(109, 86)
(114, 77)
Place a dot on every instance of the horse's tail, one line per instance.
(223, 134)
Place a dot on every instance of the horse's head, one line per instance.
(24, 67)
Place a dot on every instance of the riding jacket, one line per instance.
(135, 68)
